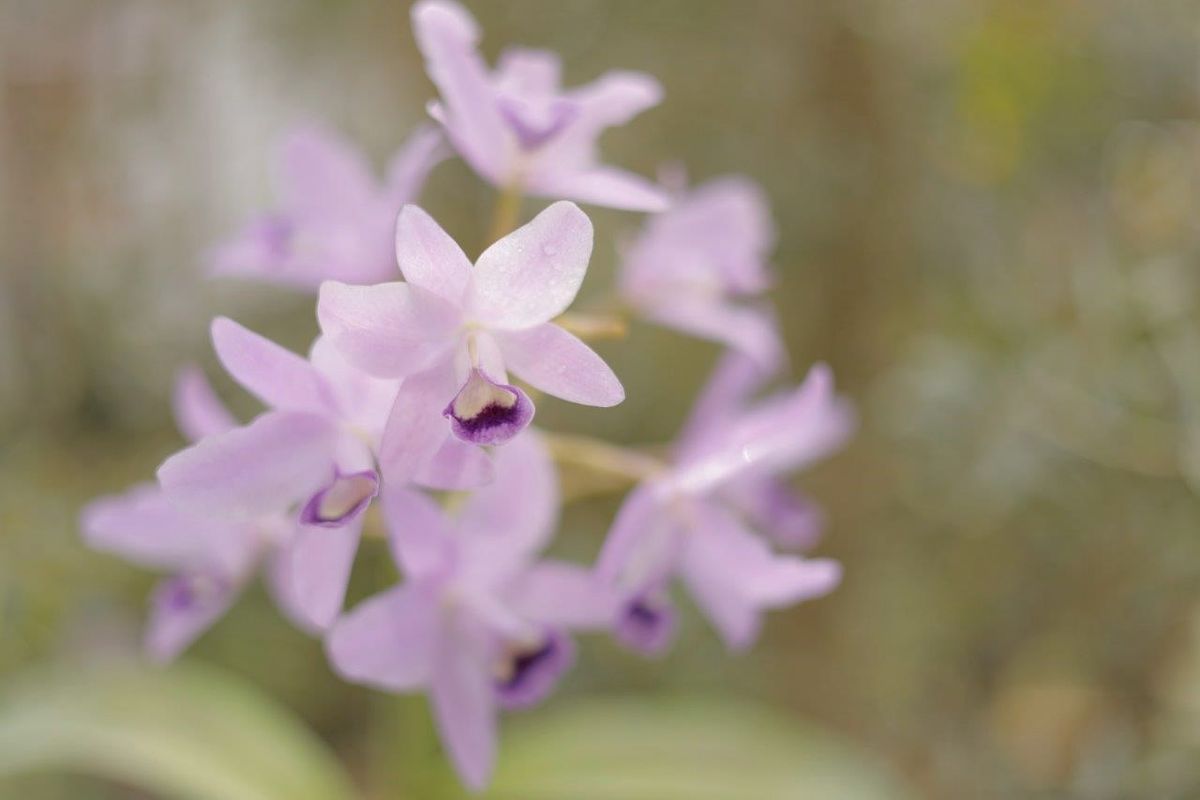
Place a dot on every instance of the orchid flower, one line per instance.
(765, 500)
(517, 128)
(211, 557)
(310, 459)
(693, 262)
(452, 331)
(477, 623)
(335, 221)
(687, 521)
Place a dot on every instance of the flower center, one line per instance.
(342, 500)
(526, 674)
(486, 412)
(186, 592)
(647, 624)
(536, 121)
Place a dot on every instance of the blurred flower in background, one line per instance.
(986, 221)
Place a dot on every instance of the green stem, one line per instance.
(600, 456)
(506, 213)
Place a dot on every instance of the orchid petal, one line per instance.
(279, 459)
(555, 361)
(278, 377)
(447, 37)
(602, 186)
(533, 274)
(146, 527)
(198, 410)
(182, 609)
(415, 430)
(734, 576)
(750, 330)
(321, 175)
(388, 640)
(389, 330)
(464, 707)
(788, 432)
(634, 523)
(321, 560)
(527, 71)
(419, 534)
(565, 595)
(429, 258)
(514, 516)
(456, 466)
(615, 98)
(410, 166)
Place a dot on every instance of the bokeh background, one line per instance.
(989, 219)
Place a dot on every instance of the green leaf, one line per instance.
(655, 749)
(186, 732)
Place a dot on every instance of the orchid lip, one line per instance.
(646, 624)
(188, 591)
(278, 235)
(488, 413)
(532, 129)
(526, 675)
(342, 500)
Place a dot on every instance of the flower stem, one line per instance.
(600, 456)
(506, 213)
(594, 327)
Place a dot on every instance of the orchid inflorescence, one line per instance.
(407, 390)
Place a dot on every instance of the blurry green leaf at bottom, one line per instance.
(652, 749)
(186, 732)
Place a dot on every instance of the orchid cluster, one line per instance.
(417, 399)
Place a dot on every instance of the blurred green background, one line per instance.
(990, 227)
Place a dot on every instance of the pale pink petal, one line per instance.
(415, 429)
(514, 516)
(564, 595)
(182, 609)
(389, 330)
(602, 186)
(145, 527)
(429, 258)
(615, 98)
(556, 362)
(447, 36)
(532, 275)
(412, 163)
(198, 410)
(734, 576)
(751, 330)
(527, 71)
(387, 641)
(635, 521)
(456, 466)
(321, 175)
(729, 388)
(419, 534)
(273, 374)
(277, 575)
(787, 432)
(321, 559)
(464, 707)
(276, 461)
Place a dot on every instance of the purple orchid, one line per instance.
(211, 558)
(692, 262)
(310, 460)
(517, 128)
(477, 622)
(690, 521)
(335, 220)
(451, 331)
